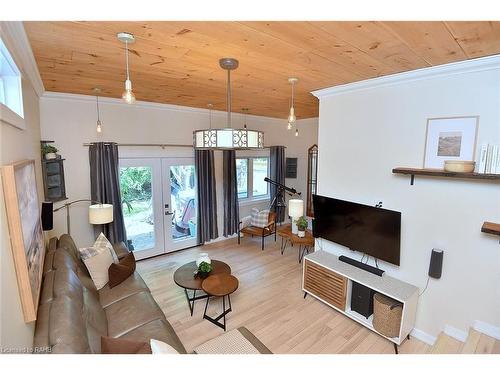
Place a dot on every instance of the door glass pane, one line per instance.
(137, 205)
(259, 173)
(242, 177)
(183, 201)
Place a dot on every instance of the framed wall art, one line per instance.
(25, 229)
(452, 138)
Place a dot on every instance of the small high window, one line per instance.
(11, 94)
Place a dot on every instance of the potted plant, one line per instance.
(301, 226)
(204, 269)
(49, 152)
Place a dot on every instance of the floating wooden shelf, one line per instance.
(491, 228)
(441, 173)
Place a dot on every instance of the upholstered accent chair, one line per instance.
(268, 229)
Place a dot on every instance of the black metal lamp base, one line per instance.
(221, 316)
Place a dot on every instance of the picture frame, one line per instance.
(450, 138)
(25, 230)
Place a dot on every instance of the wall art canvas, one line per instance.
(25, 230)
(452, 138)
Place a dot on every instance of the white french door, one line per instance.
(159, 204)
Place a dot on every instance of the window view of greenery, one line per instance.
(259, 173)
(242, 178)
(254, 185)
(137, 205)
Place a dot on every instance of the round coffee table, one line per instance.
(184, 277)
(219, 285)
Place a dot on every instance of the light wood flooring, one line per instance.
(270, 303)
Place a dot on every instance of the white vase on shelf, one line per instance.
(203, 257)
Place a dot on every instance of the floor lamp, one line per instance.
(99, 213)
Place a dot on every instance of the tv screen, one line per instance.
(371, 230)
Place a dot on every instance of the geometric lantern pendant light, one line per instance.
(228, 138)
(128, 94)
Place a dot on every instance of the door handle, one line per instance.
(168, 213)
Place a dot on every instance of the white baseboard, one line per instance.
(456, 333)
(423, 336)
(487, 329)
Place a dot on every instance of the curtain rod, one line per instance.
(162, 145)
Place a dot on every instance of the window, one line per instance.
(250, 174)
(11, 98)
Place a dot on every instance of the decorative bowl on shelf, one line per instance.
(459, 166)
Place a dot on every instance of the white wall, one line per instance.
(364, 133)
(70, 120)
(16, 145)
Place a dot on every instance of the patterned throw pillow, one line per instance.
(97, 260)
(102, 241)
(260, 218)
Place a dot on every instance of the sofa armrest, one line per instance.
(121, 250)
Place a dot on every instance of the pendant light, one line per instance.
(228, 138)
(128, 94)
(245, 112)
(291, 116)
(97, 91)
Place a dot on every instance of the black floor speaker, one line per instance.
(47, 216)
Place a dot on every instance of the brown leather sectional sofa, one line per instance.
(73, 315)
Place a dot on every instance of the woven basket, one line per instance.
(386, 315)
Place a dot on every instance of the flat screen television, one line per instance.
(371, 230)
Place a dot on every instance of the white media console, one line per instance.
(328, 279)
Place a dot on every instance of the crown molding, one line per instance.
(51, 95)
(16, 41)
(439, 71)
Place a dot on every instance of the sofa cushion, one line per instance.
(97, 260)
(260, 218)
(102, 241)
(132, 285)
(158, 329)
(131, 312)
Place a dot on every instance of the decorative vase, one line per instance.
(203, 257)
(301, 233)
(50, 156)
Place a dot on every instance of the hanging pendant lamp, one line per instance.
(128, 94)
(228, 138)
(291, 116)
(98, 128)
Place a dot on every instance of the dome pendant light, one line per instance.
(128, 94)
(291, 116)
(228, 138)
(99, 123)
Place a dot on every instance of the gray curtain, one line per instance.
(105, 187)
(207, 199)
(277, 171)
(231, 209)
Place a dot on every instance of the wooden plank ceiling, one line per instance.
(177, 62)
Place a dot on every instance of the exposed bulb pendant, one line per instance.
(210, 106)
(296, 132)
(289, 126)
(291, 116)
(99, 123)
(128, 94)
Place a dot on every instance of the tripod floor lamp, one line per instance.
(99, 213)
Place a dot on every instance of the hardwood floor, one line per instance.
(269, 302)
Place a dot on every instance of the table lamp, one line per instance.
(295, 210)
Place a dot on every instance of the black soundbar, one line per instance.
(363, 266)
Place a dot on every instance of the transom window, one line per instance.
(10, 83)
(250, 174)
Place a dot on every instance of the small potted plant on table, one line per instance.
(204, 270)
(301, 226)
(49, 152)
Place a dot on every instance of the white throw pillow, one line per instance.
(97, 260)
(260, 219)
(102, 241)
(160, 347)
